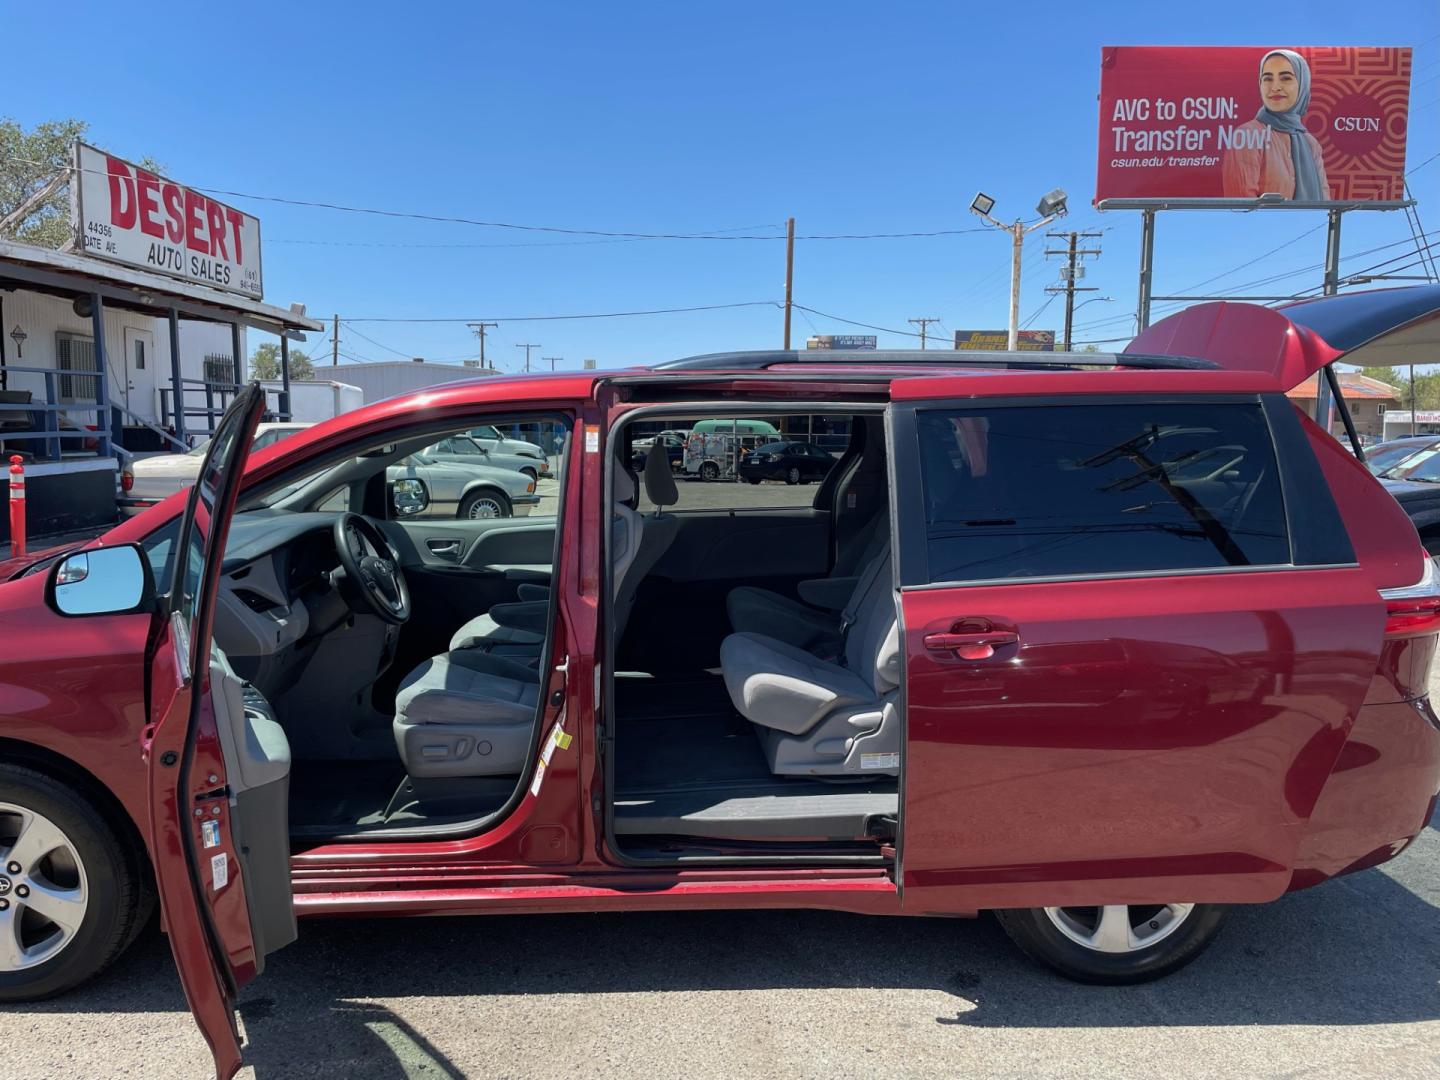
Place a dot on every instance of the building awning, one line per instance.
(62, 273)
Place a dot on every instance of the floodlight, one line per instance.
(1052, 204)
(982, 204)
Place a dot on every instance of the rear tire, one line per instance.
(792, 475)
(1054, 937)
(753, 479)
(709, 471)
(107, 872)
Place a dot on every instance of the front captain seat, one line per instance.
(468, 712)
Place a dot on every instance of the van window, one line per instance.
(1099, 489)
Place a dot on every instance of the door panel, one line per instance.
(1124, 683)
(210, 849)
(1149, 740)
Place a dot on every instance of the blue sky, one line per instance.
(673, 118)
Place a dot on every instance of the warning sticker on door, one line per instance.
(880, 761)
(592, 438)
(219, 871)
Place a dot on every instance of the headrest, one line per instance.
(624, 485)
(659, 479)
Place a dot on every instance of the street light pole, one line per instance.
(1050, 207)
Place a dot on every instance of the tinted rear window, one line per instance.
(1099, 489)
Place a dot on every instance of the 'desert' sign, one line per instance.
(129, 215)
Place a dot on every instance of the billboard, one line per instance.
(841, 341)
(999, 340)
(129, 215)
(1304, 124)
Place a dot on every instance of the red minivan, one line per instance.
(1102, 644)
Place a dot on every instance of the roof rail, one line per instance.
(937, 358)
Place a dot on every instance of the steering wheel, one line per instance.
(373, 565)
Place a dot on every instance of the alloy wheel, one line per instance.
(43, 891)
(485, 507)
(1119, 928)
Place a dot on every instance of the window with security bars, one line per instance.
(75, 353)
(219, 368)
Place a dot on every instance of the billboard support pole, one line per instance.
(1147, 262)
(789, 274)
(1324, 403)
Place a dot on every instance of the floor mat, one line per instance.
(326, 795)
(672, 733)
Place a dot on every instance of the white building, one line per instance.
(387, 378)
(93, 360)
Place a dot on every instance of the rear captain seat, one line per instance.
(817, 717)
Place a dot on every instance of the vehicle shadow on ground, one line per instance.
(1360, 950)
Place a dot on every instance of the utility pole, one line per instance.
(335, 343)
(478, 328)
(527, 347)
(789, 273)
(922, 323)
(553, 360)
(1072, 272)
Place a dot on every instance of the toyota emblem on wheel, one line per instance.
(4, 886)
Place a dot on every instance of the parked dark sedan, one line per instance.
(1415, 483)
(1389, 455)
(793, 462)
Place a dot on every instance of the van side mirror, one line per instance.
(409, 496)
(103, 581)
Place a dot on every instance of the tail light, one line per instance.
(1414, 611)
(127, 479)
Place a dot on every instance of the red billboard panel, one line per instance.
(1305, 124)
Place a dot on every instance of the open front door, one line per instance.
(217, 805)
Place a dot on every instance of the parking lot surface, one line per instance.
(1339, 981)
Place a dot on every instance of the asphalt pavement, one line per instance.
(1338, 981)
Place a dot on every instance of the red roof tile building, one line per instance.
(1369, 399)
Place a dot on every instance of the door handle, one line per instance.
(970, 645)
(446, 549)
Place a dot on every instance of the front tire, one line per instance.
(485, 505)
(709, 471)
(78, 897)
(792, 475)
(1114, 945)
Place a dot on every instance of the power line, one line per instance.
(380, 344)
(351, 319)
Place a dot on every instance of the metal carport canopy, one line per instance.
(137, 290)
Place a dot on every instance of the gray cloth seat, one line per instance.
(817, 717)
(471, 711)
(812, 626)
(465, 714)
(639, 541)
(483, 629)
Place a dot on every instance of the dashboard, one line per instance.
(277, 592)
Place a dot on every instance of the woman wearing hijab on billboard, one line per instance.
(1287, 160)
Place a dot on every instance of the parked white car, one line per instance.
(489, 437)
(149, 480)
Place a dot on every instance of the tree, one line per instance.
(29, 160)
(265, 364)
